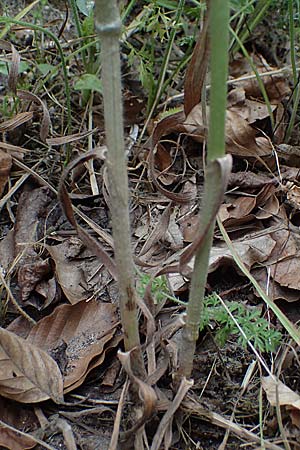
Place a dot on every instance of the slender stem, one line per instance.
(218, 21)
(108, 25)
(78, 28)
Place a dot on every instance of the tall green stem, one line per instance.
(108, 25)
(218, 21)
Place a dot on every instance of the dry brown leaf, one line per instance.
(46, 121)
(284, 262)
(173, 235)
(240, 136)
(238, 208)
(252, 250)
(220, 168)
(197, 68)
(252, 110)
(5, 166)
(15, 62)
(30, 274)
(27, 373)
(269, 209)
(84, 328)
(146, 392)
(287, 272)
(19, 418)
(275, 291)
(279, 394)
(77, 270)
(96, 361)
(16, 121)
(70, 138)
(248, 180)
(293, 195)
(172, 123)
(158, 232)
(20, 241)
(276, 84)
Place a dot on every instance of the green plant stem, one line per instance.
(108, 25)
(78, 28)
(218, 22)
(61, 54)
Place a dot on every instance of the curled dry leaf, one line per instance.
(84, 328)
(27, 373)
(76, 272)
(252, 250)
(19, 242)
(158, 232)
(5, 166)
(30, 274)
(16, 121)
(146, 393)
(70, 138)
(197, 68)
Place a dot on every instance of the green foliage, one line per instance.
(85, 6)
(89, 82)
(246, 5)
(45, 68)
(86, 29)
(5, 65)
(159, 288)
(256, 328)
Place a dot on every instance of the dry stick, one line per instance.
(108, 25)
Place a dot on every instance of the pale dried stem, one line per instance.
(108, 25)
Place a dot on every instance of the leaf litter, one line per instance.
(66, 282)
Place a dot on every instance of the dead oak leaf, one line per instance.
(27, 373)
(85, 328)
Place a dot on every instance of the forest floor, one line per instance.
(60, 327)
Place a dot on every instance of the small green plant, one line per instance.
(159, 287)
(256, 328)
